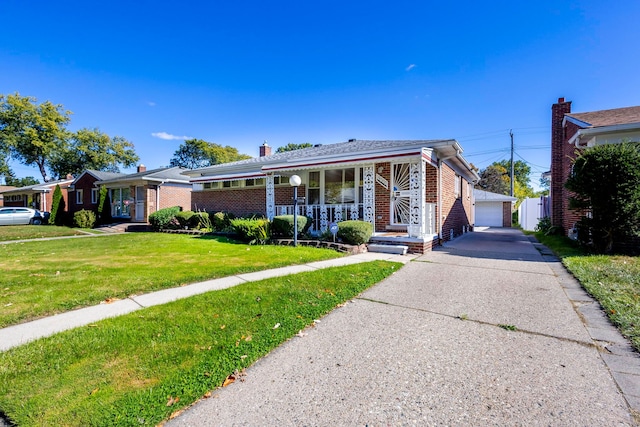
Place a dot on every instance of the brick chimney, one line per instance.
(265, 150)
(560, 164)
(142, 168)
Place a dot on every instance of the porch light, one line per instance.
(295, 182)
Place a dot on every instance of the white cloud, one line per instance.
(169, 137)
(151, 103)
(410, 67)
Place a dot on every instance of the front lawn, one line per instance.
(140, 368)
(41, 278)
(26, 232)
(613, 280)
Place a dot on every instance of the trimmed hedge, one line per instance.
(355, 232)
(84, 219)
(164, 217)
(282, 225)
(184, 218)
(222, 220)
(252, 230)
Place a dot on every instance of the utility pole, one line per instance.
(512, 168)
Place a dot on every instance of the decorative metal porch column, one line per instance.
(417, 198)
(271, 197)
(368, 194)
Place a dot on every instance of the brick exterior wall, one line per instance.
(382, 198)
(456, 210)
(506, 214)
(562, 156)
(41, 206)
(86, 183)
(241, 201)
(173, 195)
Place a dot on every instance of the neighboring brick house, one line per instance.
(135, 196)
(4, 188)
(39, 196)
(84, 191)
(413, 192)
(572, 132)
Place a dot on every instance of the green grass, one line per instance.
(42, 278)
(613, 280)
(140, 368)
(26, 232)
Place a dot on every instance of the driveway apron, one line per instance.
(478, 332)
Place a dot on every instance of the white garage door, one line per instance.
(489, 214)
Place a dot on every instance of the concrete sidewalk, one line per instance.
(485, 331)
(16, 335)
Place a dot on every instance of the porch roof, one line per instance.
(39, 188)
(344, 153)
(171, 174)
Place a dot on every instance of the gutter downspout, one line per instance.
(158, 196)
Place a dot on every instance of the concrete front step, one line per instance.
(388, 249)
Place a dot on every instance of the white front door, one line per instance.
(140, 199)
(400, 194)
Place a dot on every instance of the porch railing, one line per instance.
(323, 215)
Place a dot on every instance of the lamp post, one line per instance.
(295, 182)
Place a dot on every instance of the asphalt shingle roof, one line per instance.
(616, 116)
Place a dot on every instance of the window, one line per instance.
(458, 186)
(230, 184)
(257, 182)
(313, 188)
(339, 186)
(94, 195)
(79, 196)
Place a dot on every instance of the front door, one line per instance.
(140, 199)
(400, 194)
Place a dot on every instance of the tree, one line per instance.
(93, 149)
(197, 153)
(33, 133)
(605, 180)
(291, 147)
(104, 207)
(494, 179)
(10, 179)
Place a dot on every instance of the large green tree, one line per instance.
(197, 153)
(10, 179)
(605, 180)
(93, 149)
(495, 178)
(32, 132)
(291, 147)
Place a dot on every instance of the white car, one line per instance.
(16, 216)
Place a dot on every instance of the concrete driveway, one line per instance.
(483, 331)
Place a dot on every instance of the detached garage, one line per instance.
(492, 210)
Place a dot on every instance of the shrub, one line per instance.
(164, 217)
(84, 219)
(355, 232)
(200, 221)
(184, 219)
(252, 230)
(282, 225)
(605, 180)
(222, 221)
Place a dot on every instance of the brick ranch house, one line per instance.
(413, 192)
(133, 196)
(572, 132)
(38, 196)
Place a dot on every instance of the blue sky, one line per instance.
(239, 73)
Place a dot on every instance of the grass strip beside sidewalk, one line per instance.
(140, 368)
